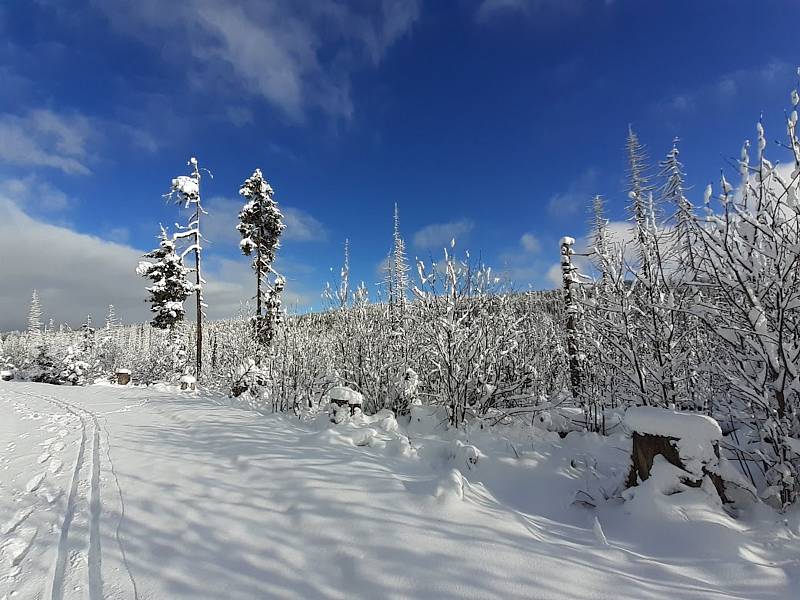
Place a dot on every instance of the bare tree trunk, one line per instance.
(568, 271)
(199, 298)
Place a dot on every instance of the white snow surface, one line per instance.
(671, 423)
(345, 394)
(168, 495)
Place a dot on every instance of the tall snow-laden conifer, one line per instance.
(35, 315)
(343, 294)
(400, 265)
(111, 317)
(185, 191)
(261, 225)
(399, 270)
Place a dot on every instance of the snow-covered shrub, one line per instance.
(249, 379)
(74, 369)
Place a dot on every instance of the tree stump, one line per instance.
(123, 376)
(658, 431)
(344, 396)
(188, 383)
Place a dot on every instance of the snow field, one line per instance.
(169, 495)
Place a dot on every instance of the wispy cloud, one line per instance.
(296, 55)
(43, 138)
(573, 201)
(34, 193)
(439, 235)
(726, 88)
(491, 9)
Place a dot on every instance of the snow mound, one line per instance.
(341, 393)
(670, 423)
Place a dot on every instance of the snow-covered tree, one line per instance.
(35, 315)
(399, 271)
(261, 225)
(185, 191)
(111, 318)
(749, 269)
(74, 369)
(171, 286)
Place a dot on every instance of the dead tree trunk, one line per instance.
(572, 309)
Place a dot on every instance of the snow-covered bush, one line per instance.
(74, 370)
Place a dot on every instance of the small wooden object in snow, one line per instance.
(344, 396)
(688, 441)
(123, 376)
(188, 382)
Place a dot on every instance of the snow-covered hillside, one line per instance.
(110, 492)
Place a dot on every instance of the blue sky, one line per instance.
(494, 121)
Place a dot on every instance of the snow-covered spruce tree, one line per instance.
(690, 344)
(87, 335)
(261, 225)
(171, 287)
(749, 267)
(35, 315)
(343, 293)
(185, 191)
(655, 300)
(399, 270)
(111, 317)
(339, 298)
(74, 369)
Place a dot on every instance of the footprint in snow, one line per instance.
(16, 548)
(49, 494)
(16, 520)
(34, 483)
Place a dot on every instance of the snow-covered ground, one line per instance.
(109, 492)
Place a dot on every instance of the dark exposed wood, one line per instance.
(647, 446)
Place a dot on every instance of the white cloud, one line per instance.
(79, 274)
(62, 141)
(576, 198)
(522, 265)
(301, 226)
(34, 193)
(296, 55)
(75, 274)
(439, 235)
(43, 138)
(530, 243)
(554, 276)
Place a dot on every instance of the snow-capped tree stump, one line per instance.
(343, 396)
(686, 440)
(188, 382)
(123, 376)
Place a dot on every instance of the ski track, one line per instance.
(74, 550)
